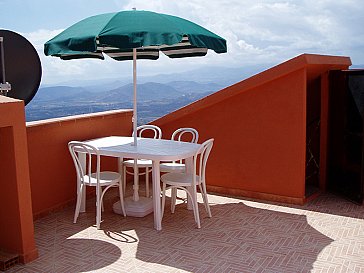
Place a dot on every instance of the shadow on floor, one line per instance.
(238, 238)
(325, 203)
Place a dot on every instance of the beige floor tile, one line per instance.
(325, 235)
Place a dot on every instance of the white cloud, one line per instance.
(257, 32)
(274, 30)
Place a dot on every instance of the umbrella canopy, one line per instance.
(132, 35)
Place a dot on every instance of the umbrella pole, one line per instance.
(135, 116)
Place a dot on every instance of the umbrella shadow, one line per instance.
(327, 203)
(238, 237)
(67, 247)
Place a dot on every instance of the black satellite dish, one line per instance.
(19, 66)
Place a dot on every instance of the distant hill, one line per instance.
(148, 91)
(154, 99)
(223, 76)
(189, 87)
(57, 92)
(145, 92)
(158, 95)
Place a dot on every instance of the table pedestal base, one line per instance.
(140, 208)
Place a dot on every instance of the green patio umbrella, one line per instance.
(132, 35)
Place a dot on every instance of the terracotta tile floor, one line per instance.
(325, 235)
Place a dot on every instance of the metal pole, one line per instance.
(2, 60)
(135, 121)
(5, 87)
(135, 115)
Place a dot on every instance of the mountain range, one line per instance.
(154, 99)
(157, 95)
(224, 76)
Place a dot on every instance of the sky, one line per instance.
(257, 32)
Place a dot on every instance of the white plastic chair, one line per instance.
(189, 181)
(142, 163)
(180, 134)
(96, 179)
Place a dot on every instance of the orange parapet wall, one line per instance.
(52, 173)
(259, 126)
(16, 229)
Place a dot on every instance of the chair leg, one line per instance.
(124, 178)
(163, 198)
(98, 207)
(78, 203)
(173, 199)
(98, 216)
(147, 182)
(101, 201)
(193, 196)
(121, 195)
(205, 199)
(194, 200)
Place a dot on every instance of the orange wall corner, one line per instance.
(259, 126)
(17, 229)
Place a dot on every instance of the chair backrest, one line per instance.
(200, 159)
(156, 131)
(84, 169)
(191, 133)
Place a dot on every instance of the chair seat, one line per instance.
(87, 158)
(142, 163)
(179, 179)
(106, 178)
(172, 167)
(184, 181)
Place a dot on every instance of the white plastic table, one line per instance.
(156, 150)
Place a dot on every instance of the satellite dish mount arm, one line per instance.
(5, 87)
